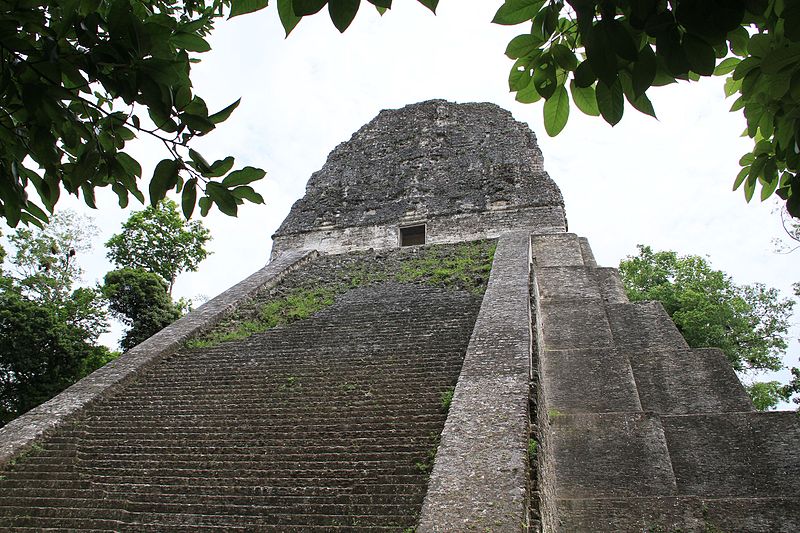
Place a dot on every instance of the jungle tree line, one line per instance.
(50, 323)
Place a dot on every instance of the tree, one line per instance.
(612, 51)
(160, 241)
(139, 299)
(48, 328)
(77, 78)
(748, 322)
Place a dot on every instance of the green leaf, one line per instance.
(700, 54)
(584, 75)
(749, 188)
(199, 161)
(521, 46)
(286, 13)
(640, 103)
(219, 168)
(741, 176)
(564, 57)
(301, 8)
(205, 205)
(129, 164)
(430, 4)
(610, 101)
(739, 39)
(644, 71)
(221, 196)
(781, 58)
(343, 12)
(196, 123)
(621, 40)
(726, 66)
(585, 99)
(544, 76)
(385, 4)
(600, 53)
(528, 95)
(122, 194)
(516, 11)
(37, 211)
(191, 42)
(243, 176)
(165, 177)
(189, 197)
(520, 76)
(381, 10)
(242, 7)
(88, 195)
(222, 116)
(246, 192)
(747, 64)
(556, 112)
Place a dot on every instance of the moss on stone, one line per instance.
(304, 292)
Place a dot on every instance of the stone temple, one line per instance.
(428, 350)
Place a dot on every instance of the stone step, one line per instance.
(643, 326)
(588, 381)
(673, 514)
(609, 455)
(559, 249)
(688, 381)
(747, 454)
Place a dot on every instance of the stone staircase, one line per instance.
(326, 424)
(637, 431)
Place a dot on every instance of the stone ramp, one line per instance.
(327, 424)
(638, 432)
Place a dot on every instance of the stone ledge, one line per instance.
(479, 478)
(19, 434)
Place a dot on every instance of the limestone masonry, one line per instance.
(428, 350)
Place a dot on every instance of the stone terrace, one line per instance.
(324, 424)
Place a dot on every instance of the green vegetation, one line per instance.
(533, 450)
(48, 326)
(747, 322)
(88, 77)
(158, 240)
(447, 398)
(467, 267)
(464, 267)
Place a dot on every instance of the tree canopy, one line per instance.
(748, 323)
(139, 299)
(81, 78)
(158, 240)
(49, 328)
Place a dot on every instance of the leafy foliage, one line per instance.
(748, 322)
(40, 353)
(139, 299)
(613, 52)
(160, 241)
(768, 394)
(342, 12)
(48, 328)
(77, 77)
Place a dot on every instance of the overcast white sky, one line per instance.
(666, 183)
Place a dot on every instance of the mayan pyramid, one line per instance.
(427, 350)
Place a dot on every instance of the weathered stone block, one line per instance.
(747, 455)
(610, 455)
(588, 381)
(570, 325)
(644, 326)
(561, 249)
(566, 283)
(687, 381)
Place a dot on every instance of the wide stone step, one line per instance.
(644, 326)
(687, 381)
(747, 454)
(673, 514)
(609, 455)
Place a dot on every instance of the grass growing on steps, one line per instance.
(464, 266)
